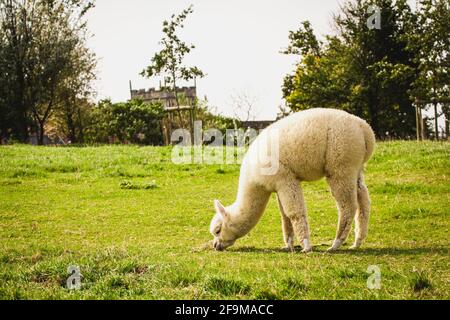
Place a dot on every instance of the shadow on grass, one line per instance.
(359, 252)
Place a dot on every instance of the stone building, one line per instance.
(186, 97)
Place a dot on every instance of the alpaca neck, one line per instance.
(250, 204)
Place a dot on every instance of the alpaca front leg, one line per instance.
(288, 230)
(293, 205)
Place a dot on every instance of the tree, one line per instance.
(244, 105)
(319, 80)
(365, 71)
(169, 61)
(430, 40)
(212, 120)
(75, 94)
(45, 55)
(303, 41)
(15, 41)
(4, 105)
(384, 66)
(73, 118)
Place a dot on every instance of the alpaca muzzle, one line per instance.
(218, 246)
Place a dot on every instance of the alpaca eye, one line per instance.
(217, 231)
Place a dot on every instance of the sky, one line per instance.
(237, 46)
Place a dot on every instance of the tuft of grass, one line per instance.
(150, 185)
(294, 285)
(267, 294)
(129, 185)
(221, 171)
(133, 267)
(420, 281)
(117, 282)
(350, 273)
(226, 287)
(183, 280)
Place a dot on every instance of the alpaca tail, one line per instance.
(369, 138)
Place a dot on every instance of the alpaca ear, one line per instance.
(220, 208)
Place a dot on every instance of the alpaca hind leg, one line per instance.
(362, 214)
(288, 230)
(291, 199)
(344, 191)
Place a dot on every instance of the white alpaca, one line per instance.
(312, 144)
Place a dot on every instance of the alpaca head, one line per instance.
(220, 228)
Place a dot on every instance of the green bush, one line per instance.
(127, 122)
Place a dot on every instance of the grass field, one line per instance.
(137, 225)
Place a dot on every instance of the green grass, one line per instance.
(137, 226)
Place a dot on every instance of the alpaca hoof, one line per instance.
(307, 250)
(336, 245)
(288, 249)
(306, 246)
(356, 245)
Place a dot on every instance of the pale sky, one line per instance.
(237, 45)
